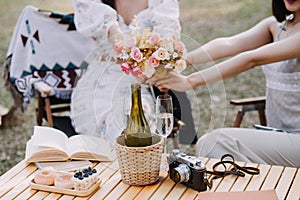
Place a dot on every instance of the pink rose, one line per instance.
(154, 38)
(136, 71)
(118, 47)
(136, 54)
(125, 68)
(130, 42)
(178, 46)
(153, 62)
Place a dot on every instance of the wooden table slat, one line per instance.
(17, 190)
(209, 165)
(257, 181)
(81, 198)
(273, 177)
(163, 189)
(147, 192)
(39, 195)
(294, 193)
(132, 192)
(189, 194)
(228, 182)
(109, 181)
(26, 194)
(285, 181)
(11, 183)
(66, 197)
(53, 196)
(118, 191)
(176, 192)
(242, 182)
(13, 172)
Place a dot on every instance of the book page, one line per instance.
(90, 146)
(49, 137)
(40, 153)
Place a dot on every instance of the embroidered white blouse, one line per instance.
(94, 18)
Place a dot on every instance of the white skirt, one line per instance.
(251, 145)
(100, 98)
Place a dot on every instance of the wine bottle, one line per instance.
(137, 131)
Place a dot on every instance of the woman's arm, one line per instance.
(285, 49)
(228, 46)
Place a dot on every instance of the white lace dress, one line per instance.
(97, 106)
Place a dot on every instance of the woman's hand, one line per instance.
(172, 80)
(141, 78)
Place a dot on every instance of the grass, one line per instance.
(201, 22)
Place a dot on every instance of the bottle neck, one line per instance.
(136, 97)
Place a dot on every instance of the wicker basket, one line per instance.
(139, 165)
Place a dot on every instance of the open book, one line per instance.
(50, 144)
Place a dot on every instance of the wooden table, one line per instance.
(14, 184)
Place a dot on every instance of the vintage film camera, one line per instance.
(188, 170)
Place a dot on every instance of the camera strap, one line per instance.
(233, 169)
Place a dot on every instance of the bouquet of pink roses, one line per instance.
(148, 53)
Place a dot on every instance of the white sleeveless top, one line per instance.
(283, 93)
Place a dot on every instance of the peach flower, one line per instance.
(153, 61)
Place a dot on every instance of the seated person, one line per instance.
(97, 101)
(274, 43)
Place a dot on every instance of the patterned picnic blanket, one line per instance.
(44, 47)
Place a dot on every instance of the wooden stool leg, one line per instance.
(238, 119)
(48, 112)
(39, 114)
(262, 117)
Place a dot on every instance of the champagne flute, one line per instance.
(164, 122)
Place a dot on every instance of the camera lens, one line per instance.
(180, 174)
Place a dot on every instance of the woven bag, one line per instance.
(139, 165)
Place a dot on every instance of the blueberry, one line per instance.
(94, 170)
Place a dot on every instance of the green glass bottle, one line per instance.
(137, 132)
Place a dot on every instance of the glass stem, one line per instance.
(165, 146)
